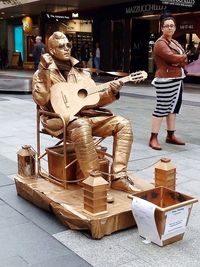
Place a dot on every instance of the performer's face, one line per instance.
(62, 49)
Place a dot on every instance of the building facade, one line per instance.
(126, 32)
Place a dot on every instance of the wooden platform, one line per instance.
(67, 205)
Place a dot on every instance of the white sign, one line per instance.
(188, 3)
(144, 215)
(75, 15)
(176, 220)
(55, 16)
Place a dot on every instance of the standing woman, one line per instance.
(170, 58)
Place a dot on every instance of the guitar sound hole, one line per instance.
(82, 93)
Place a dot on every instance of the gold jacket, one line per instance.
(47, 75)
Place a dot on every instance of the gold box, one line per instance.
(55, 157)
(162, 214)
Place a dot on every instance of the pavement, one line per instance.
(30, 236)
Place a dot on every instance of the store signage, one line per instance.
(27, 24)
(12, 2)
(186, 27)
(56, 17)
(75, 15)
(144, 8)
(186, 3)
(9, 3)
(187, 24)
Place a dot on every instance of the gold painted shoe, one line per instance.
(124, 184)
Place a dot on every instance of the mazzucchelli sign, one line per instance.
(143, 8)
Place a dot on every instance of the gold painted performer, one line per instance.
(96, 121)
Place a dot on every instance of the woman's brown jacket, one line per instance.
(169, 57)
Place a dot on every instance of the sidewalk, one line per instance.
(32, 237)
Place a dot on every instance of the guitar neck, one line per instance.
(104, 87)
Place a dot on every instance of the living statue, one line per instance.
(58, 66)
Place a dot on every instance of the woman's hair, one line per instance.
(166, 16)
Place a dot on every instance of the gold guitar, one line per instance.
(68, 99)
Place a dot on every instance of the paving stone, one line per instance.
(14, 261)
(63, 261)
(44, 219)
(31, 243)
(27, 236)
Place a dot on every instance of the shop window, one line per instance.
(118, 31)
(18, 40)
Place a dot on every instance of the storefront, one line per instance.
(20, 34)
(18, 40)
(127, 31)
(188, 25)
(77, 27)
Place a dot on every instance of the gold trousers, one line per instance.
(81, 132)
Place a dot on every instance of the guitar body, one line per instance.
(67, 99)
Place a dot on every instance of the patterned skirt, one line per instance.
(168, 96)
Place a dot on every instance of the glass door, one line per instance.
(140, 44)
(118, 49)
